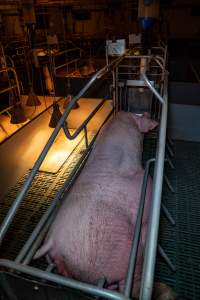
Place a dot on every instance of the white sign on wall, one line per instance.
(116, 48)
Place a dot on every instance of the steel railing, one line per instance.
(153, 226)
(5, 225)
(77, 52)
(11, 86)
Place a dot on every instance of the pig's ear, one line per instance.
(145, 124)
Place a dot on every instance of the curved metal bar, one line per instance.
(137, 231)
(155, 92)
(20, 196)
(157, 60)
(66, 282)
(76, 133)
(154, 218)
(16, 80)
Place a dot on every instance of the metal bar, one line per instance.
(8, 89)
(128, 66)
(153, 227)
(9, 107)
(159, 59)
(20, 196)
(158, 96)
(11, 61)
(152, 74)
(67, 51)
(120, 98)
(168, 215)
(158, 48)
(136, 67)
(67, 63)
(66, 282)
(169, 185)
(137, 83)
(29, 255)
(138, 56)
(168, 159)
(171, 153)
(170, 141)
(86, 137)
(114, 91)
(166, 258)
(137, 230)
(102, 284)
(50, 268)
(15, 75)
(195, 73)
(83, 125)
(117, 89)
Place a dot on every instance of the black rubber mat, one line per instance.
(182, 242)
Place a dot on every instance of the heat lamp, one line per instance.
(17, 115)
(56, 115)
(33, 99)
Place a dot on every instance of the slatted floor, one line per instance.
(43, 190)
(182, 242)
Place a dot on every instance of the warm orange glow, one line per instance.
(59, 152)
(7, 129)
(57, 157)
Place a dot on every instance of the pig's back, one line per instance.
(118, 146)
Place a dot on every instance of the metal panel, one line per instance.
(18, 288)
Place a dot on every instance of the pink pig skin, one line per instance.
(92, 233)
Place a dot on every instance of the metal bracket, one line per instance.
(138, 83)
(166, 259)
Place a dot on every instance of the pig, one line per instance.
(92, 233)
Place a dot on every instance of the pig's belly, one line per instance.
(94, 243)
(93, 231)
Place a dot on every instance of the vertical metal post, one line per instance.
(86, 137)
(107, 62)
(137, 231)
(117, 90)
(114, 92)
(153, 227)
